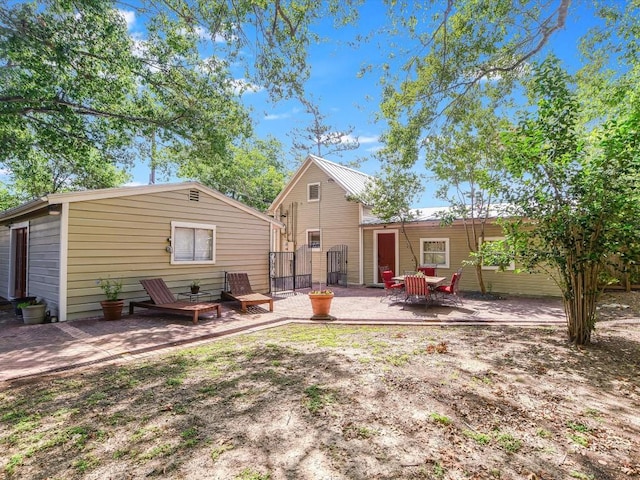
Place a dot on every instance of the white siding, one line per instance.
(5, 238)
(44, 259)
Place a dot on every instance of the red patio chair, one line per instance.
(452, 290)
(393, 290)
(416, 287)
(428, 271)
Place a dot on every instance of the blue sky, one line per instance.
(347, 100)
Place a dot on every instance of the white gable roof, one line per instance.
(351, 181)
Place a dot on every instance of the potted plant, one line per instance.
(195, 286)
(33, 311)
(16, 302)
(112, 306)
(321, 304)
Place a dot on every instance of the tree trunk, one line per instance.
(580, 301)
(409, 246)
(480, 278)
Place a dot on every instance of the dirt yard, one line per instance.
(340, 402)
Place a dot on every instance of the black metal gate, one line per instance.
(290, 270)
(337, 265)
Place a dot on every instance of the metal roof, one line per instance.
(431, 214)
(352, 181)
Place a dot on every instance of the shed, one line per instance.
(59, 246)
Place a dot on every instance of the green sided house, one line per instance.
(319, 209)
(59, 246)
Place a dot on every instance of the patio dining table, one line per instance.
(431, 281)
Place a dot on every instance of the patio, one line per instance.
(27, 350)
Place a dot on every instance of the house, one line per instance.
(58, 247)
(318, 211)
(319, 208)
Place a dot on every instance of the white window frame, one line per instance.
(512, 265)
(309, 185)
(447, 252)
(200, 226)
(309, 230)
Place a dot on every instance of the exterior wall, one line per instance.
(5, 238)
(498, 282)
(126, 237)
(44, 260)
(338, 218)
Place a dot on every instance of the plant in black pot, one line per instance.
(195, 286)
(112, 306)
(33, 311)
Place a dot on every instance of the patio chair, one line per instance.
(239, 289)
(428, 271)
(161, 298)
(393, 290)
(451, 291)
(383, 268)
(416, 287)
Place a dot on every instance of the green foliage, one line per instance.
(576, 192)
(441, 419)
(317, 398)
(252, 172)
(82, 99)
(111, 287)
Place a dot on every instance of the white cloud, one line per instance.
(282, 116)
(134, 184)
(129, 17)
(241, 86)
(277, 116)
(364, 139)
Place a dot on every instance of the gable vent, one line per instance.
(194, 196)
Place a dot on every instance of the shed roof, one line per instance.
(87, 195)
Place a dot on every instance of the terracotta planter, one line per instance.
(112, 309)
(321, 305)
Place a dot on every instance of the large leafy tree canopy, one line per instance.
(570, 166)
(80, 97)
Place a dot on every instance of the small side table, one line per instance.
(195, 297)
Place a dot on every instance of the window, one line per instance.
(434, 251)
(313, 239)
(313, 192)
(495, 254)
(193, 243)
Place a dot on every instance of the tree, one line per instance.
(576, 192)
(77, 91)
(253, 172)
(391, 195)
(447, 51)
(321, 138)
(466, 159)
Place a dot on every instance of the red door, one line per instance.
(20, 262)
(386, 251)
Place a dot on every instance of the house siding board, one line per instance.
(126, 237)
(5, 237)
(44, 259)
(337, 217)
(509, 282)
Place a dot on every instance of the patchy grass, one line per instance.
(329, 401)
